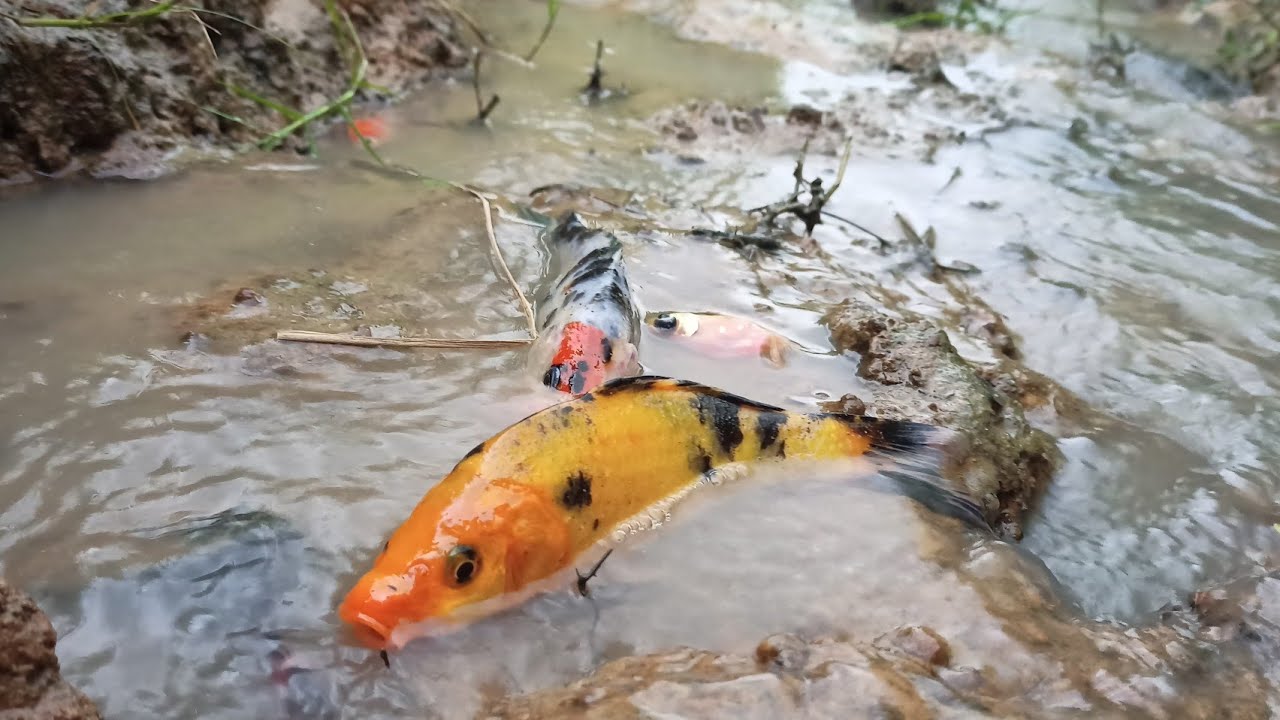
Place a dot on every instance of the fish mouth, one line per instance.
(370, 632)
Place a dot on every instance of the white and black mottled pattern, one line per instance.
(590, 287)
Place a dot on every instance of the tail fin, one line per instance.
(913, 457)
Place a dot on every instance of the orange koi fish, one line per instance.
(721, 336)
(520, 508)
(372, 128)
(589, 323)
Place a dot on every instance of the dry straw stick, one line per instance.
(401, 342)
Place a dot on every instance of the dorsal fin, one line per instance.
(658, 383)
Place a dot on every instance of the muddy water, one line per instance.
(181, 514)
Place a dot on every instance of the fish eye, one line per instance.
(464, 563)
(665, 321)
(552, 378)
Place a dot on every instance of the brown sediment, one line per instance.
(119, 100)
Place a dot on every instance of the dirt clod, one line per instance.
(31, 685)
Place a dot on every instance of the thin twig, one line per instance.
(205, 29)
(583, 579)
(482, 108)
(594, 86)
(525, 307)
(241, 21)
(469, 21)
(397, 342)
(844, 164)
(847, 221)
(553, 9)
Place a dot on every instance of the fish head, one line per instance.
(587, 358)
(682, 324)
(457, 560)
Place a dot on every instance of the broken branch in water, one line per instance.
(553, 9)
(811, 210)
(482, 108)
(594, 86)
(583, 579)
(400, 342)
(883, 243)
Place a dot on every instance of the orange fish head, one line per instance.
(456, 563)
(586, 359)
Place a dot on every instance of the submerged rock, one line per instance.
(1016, 652)
(31, 684)
(920, 376)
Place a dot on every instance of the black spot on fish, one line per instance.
(551, 317)
(606, 349)
(386, 546)
(593, 265)
(768, 425)
(596, 525)
(579, 380)
(700, 460)
(474, 451)
(722, 417)
(619, 297)
(569, 228)
(577, 492)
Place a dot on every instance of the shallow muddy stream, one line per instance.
(181, 512)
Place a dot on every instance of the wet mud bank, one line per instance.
(31, 686)
(124, 98)
(1004, 462)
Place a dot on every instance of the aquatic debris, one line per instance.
(809, 211)
(584, 579)
(926, 246)
(595, 91)
(483, 108)
(520, 508)
(398, 342)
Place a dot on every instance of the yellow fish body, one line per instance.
(524, 505)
